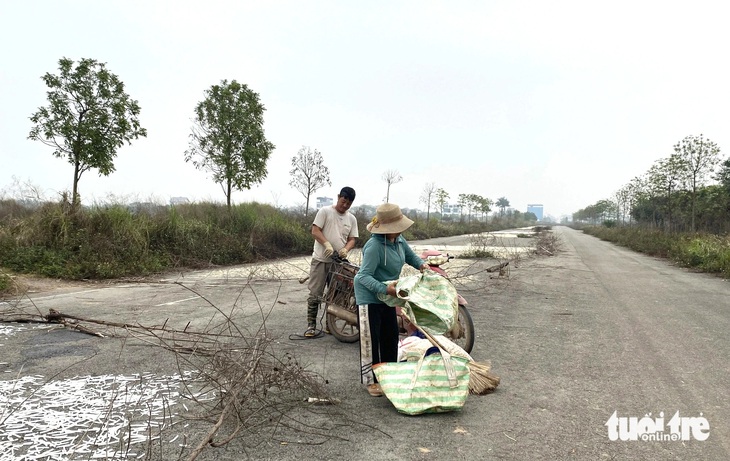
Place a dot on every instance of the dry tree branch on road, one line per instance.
(259, 394)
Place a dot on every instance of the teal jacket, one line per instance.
(382, 261)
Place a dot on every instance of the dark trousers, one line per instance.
(378, 338)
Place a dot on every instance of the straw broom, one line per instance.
(481, 380)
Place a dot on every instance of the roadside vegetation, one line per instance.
(64, 239)
(679, 209)
(61, 241)
(88, 118)
(704, 252)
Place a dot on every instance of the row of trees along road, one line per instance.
(473, 204)
(309, 174)
(686, 191)
(89, 117)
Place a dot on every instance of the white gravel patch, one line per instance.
(87, 417)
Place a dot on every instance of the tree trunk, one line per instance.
(694, 198)
(75, 193)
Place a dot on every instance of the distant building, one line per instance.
(324, 201)
(535, 209)
(179, 201)
(451, 210)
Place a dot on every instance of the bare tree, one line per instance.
(391, 177)
(308, 173)
(23, 191)
(427, 198)
(277, 196)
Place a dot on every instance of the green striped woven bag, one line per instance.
(428, 298)
(436, 383)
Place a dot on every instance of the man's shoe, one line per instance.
(375, 390)
(311, 330)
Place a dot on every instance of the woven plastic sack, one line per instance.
(413, 347)
(434, 384)
(428, 300)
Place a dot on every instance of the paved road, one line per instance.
(576, 337)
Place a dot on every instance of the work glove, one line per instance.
(343, 253)
(328, 250)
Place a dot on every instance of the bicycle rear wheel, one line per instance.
(464, 337)
(344, 330)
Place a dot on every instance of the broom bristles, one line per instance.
(481, 381)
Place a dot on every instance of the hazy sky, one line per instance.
(559, 102)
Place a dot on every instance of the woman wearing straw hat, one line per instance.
(383, 257)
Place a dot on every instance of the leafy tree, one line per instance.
(636, 190)
(441, 197)
(666, 177)
(427, 198)
(713, 209)
(723, 175)
(89, 117)
(472, 202)
(391, 177)
(622, 199)
(308, 173)
(463, 201)
(598, 212)
(228, 138)
(699, 157)
(483, 206)
(502, 203)
(605, 209)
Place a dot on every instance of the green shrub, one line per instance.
(709, 253)
(116, 241)
(477, 253)
(6, 283)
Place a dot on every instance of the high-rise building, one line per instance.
(536, 209)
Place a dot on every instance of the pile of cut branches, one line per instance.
(261, 395)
